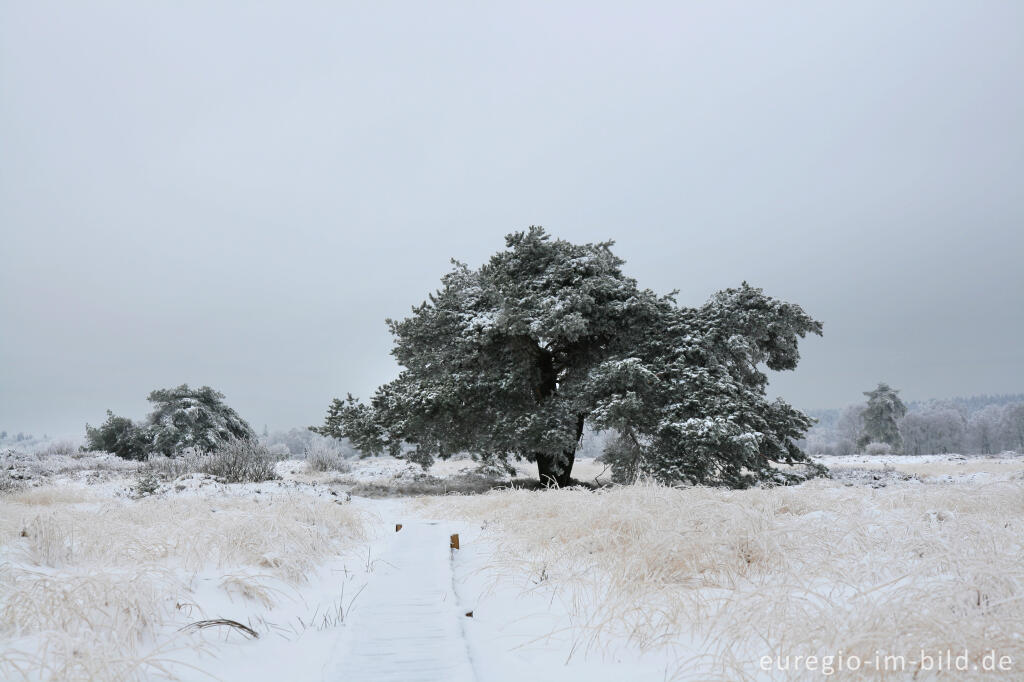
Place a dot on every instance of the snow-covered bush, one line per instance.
(294, 440)
(118, 435)
(240, 461)
(323, 454)
(147, 483)
(237, 461)
(182, 418)
(844, 446)
(625, 457)
(199, 418)
(9, 484)
(878, 449)
(280, 451)
(170, 468)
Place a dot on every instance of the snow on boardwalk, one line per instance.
(406, 623)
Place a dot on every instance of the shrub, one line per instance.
(240, 461)
(280, 451)
(322, 454)
(878, 449)
(118, 435)
(170, 468)
(237, 461)
(844, 446)
(8, 484)
(294, 440)
(624, 456)
(146, 484)
(182, 418)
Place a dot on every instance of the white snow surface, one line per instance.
(408, 626)
(396, 606)
(410, 595)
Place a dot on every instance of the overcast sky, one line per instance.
(238, 194)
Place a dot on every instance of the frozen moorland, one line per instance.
(107, 574)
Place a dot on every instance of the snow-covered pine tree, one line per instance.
(880, 418)
(198, 418)
(512, 360)
(118, 435)
(181, 418)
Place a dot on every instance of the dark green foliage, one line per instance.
(118, 435)
(181, 418)
(514, 358)
(691, 405)
(146, 484)
(880, 418)
(193, 418)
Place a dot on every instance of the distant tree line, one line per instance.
(297, 442)
(981, 425)
(20, 439)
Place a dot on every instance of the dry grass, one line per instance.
(286, 535)
(241, 461)
(237, 461)
(81, 602)
(51, 495)
(1000, 467)
(64, 460)
(170, 468)
(98, 656)
(91, 588)
(725, 577)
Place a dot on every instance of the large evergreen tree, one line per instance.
(513, 358)
(881, 418)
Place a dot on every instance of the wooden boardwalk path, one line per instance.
(406, 624)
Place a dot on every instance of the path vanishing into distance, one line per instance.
(407, 625)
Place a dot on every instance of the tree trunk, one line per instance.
(553, 470)
(550, 473)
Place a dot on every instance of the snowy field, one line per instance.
(892, 564)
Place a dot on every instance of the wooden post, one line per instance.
(398, 527)
(454, 541)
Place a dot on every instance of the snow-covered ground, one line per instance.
(399, 475)
(640, 583)
(928, 468)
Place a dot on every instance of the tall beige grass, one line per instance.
(725, 577)
(89, 588)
